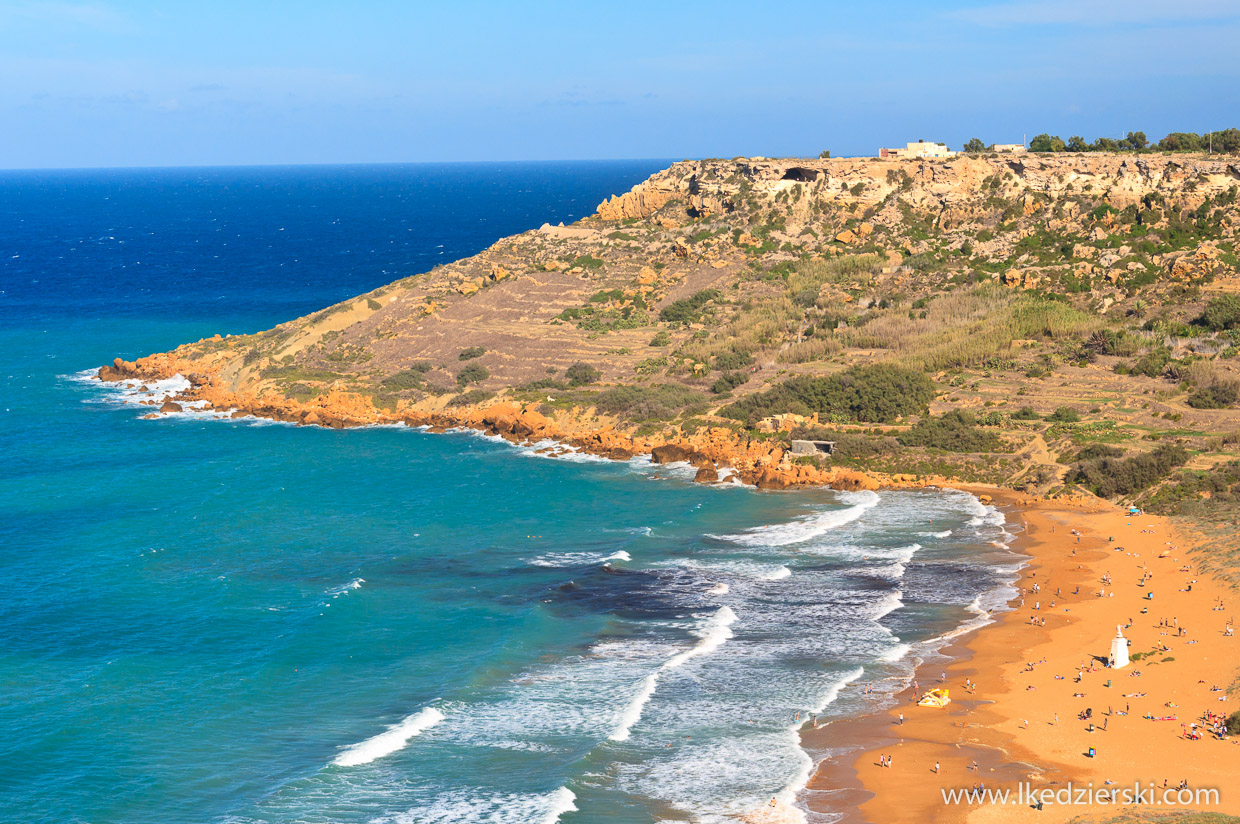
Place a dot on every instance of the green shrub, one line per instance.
(472, 352)
(1110, 477)
(727, 361)
(1218, 395)
(688, 310)
(471, 398)
(1153, 363)
(1094, 451)
(581, 374)
(1233, 723)
(1064, 414)
(729, 381)
(1222, 312)
(1026, 413)
(473, 373)
(661, 338)
(639, 403)
(879, 393)
(404, 379)
(954, 431)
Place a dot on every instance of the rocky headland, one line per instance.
(1027, 316)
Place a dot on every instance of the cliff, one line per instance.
(680, 311)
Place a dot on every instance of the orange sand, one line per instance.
(1008, 724)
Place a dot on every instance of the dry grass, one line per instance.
(965, 328)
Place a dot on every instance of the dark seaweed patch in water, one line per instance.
(946, 582)
(627, 593)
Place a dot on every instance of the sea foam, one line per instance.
(713, 634)
(807, 527)
(389, 741)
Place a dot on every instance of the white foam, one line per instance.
(897, 652)
(718, 589)
(807, 527)
(778, 575)
(343, 589)
(619, 555)
(562, 801)
(888, 604)
(713, 634)
(947, 533)
(387, 742)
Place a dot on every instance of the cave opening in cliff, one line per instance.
(801, 175)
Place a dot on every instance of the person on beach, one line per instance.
(936, 768)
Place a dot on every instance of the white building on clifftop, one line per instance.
(918, 149)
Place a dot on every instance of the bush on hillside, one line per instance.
(879, 394)
(1220, 394)
(658, 402)
(473, 373)
(580, 374)
(1113, 477)
(1064, 414)
(472, 352)
(1026, 413)
(688, 310)
(1222, 312)
(728, 381)
(954, 431)
(1152, 364)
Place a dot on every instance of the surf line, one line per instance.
(389, 741)
(713, 634)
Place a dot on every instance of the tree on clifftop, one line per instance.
(1076, 143)
(974, 146)
(1046, 143)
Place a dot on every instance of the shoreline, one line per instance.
(972, 728)
(1021, 722)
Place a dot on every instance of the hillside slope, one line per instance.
(723, 306)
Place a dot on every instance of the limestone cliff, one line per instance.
(716, 280)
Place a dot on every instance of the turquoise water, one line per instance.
(238, 621)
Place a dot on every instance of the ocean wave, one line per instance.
(896, 653)
(343, 589)
(389, 741)
(559, 560)
(482, 807)
(713, 634)
(947, 533)
(807, 527)
(718, 589)
(562, 801)
(745, 569)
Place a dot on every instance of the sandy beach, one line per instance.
(1039, 668)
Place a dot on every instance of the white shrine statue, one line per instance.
(1119, 650)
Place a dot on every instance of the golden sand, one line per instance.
(1022, 721)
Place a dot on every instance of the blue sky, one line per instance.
(180, 83)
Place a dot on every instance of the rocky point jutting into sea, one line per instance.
(691, 317)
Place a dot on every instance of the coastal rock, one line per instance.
(669, 453)
(708, 474)
(170, 406)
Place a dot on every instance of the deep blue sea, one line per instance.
(238, 621)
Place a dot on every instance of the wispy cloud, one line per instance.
(88, 15)
(1097, 12)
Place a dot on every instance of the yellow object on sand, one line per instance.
(935, 698)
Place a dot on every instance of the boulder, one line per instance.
(707, 475)
(170, 406)
(311, 419)
(846, 236)
(668, 453)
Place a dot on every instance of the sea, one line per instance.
(239, 621)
